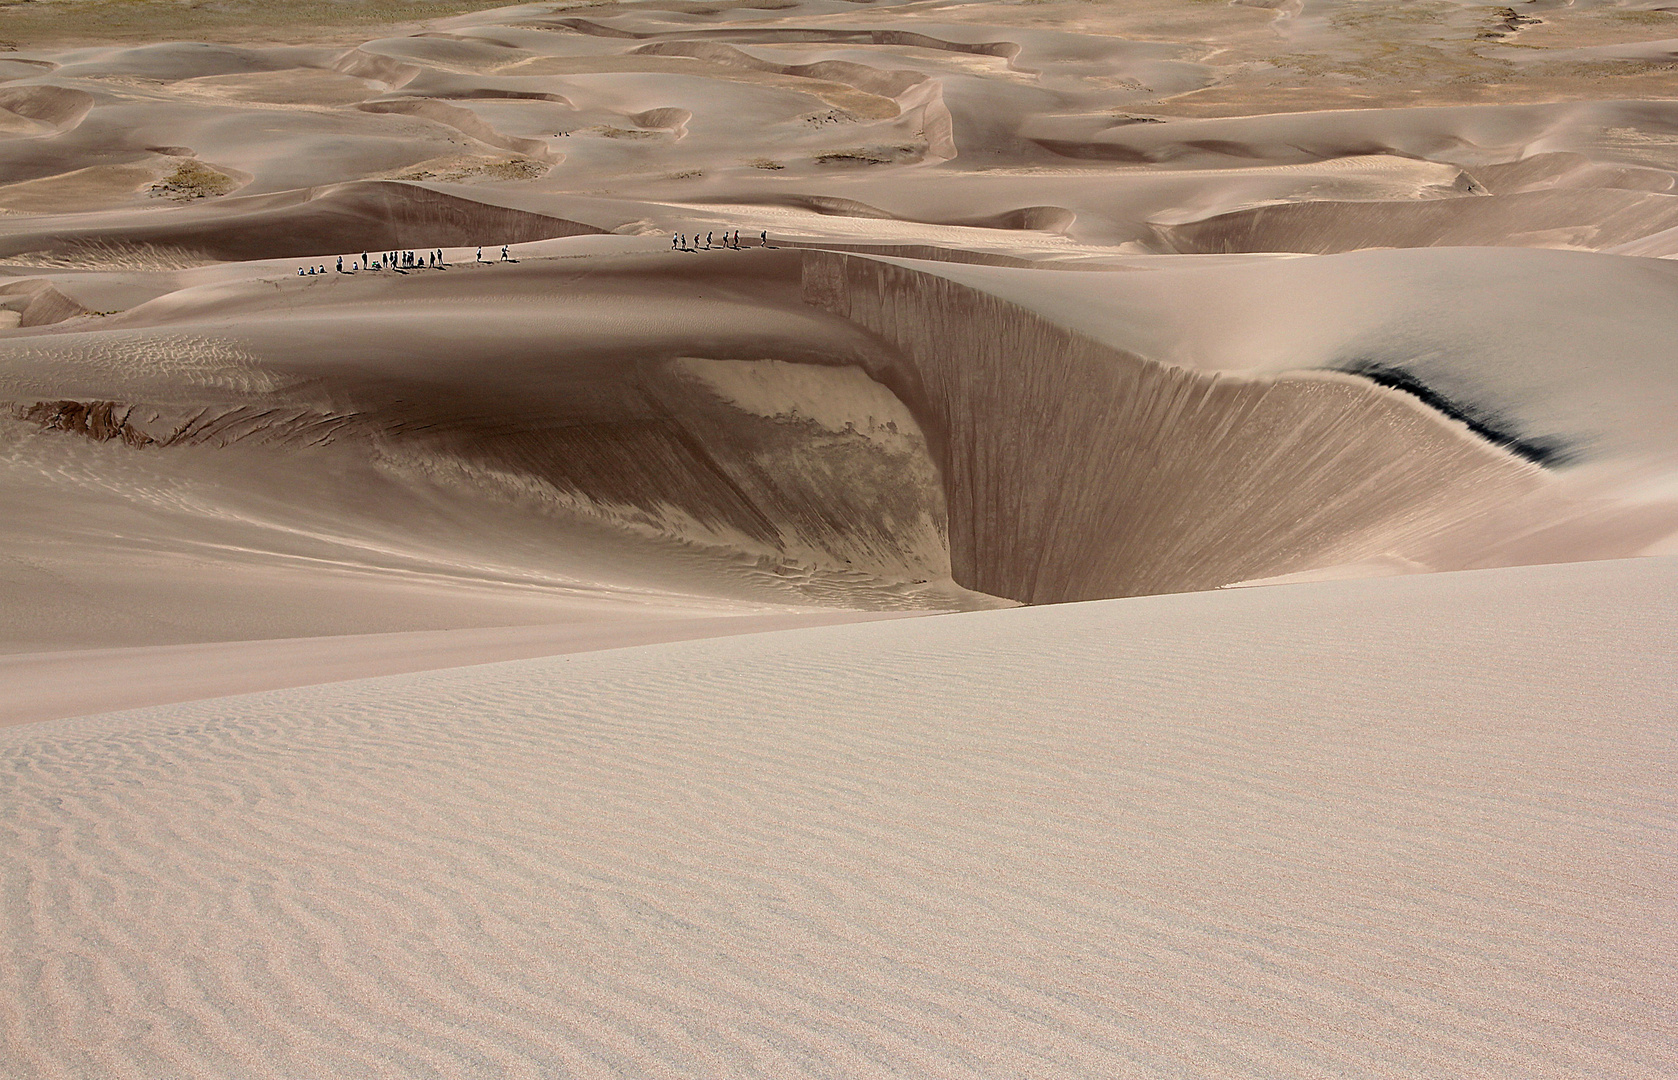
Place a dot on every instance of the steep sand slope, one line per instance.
(381, 453)
(1227, 834)
(807, 426)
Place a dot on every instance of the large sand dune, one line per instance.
(388, 337)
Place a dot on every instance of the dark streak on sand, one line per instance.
(1548, 451)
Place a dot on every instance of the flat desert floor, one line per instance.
(815, 538)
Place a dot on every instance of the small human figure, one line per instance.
(674, 237)
(299, 271)
(766, 238)
(364, 260)
(480, 254)
(340, 264)
(504, 256)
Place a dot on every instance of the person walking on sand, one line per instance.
(340, 264)
(766, 238)
(505, 257)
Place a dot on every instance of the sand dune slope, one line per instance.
(818, 426)
(1228, 834)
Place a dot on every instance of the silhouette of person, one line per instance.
(480, 254)
(340, 264)
(299, 271)
(766, 238)
(504, 256)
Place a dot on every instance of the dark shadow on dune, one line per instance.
(910, 426)
(1055, 219)
(59, 106)
(37, 303)
(1075, 471)
(361, 216)
(1549, 452)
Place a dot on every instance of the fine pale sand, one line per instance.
(79, 682)
(1416, 826)
(428, 370)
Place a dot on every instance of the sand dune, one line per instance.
(377, 216)
(900, 424)
(1227, 834)
(349, 350)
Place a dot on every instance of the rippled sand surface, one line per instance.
(1362, 829)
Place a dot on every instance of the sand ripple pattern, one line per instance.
(1411, 827)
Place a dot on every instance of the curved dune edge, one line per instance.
(1153, 479)
(1590, 220)
(985, 444)
(52, 686)
(964, 846)
(369, 215)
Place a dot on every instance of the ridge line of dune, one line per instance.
(1153, 478)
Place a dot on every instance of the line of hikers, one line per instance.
(400, 261)
(682, 242)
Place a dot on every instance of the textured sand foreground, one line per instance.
(1418, 826)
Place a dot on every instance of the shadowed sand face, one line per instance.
(976, 369)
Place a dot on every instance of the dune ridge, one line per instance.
(1164, 480)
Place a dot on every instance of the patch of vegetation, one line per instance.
(462, 169)
(765, 163)
(193, 180)
(871, 155)
(1653, 17)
